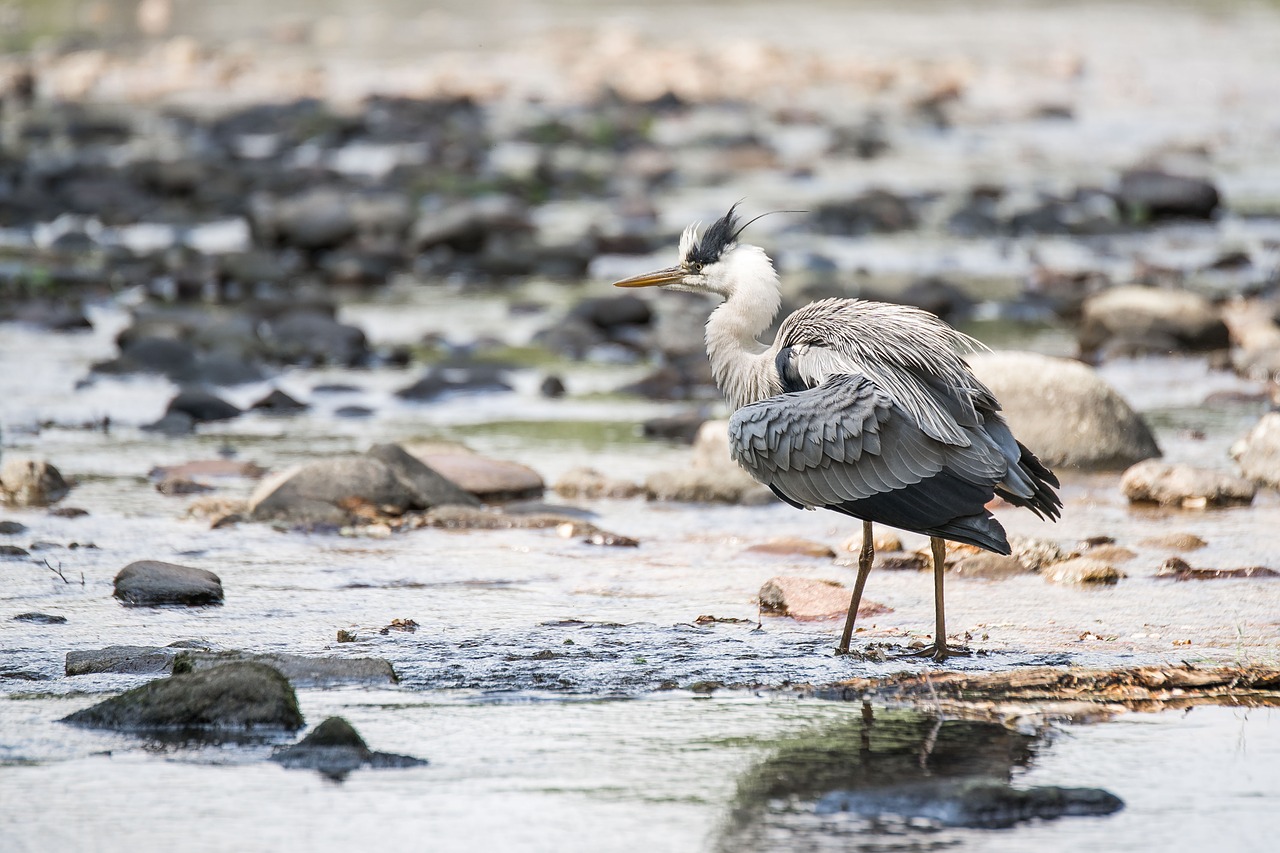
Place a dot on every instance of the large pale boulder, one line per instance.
(1259, 452)
(1148, 319)
(1063, 411)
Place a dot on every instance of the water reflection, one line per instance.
(893, 780)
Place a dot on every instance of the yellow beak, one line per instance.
(670, 275)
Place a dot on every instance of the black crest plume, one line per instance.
(716, 239)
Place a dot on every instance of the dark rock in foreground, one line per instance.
(202, 406)
(335, 748)
(235, 697)
(973, 803)
(128, 660)
(152, 582)
(40, 618)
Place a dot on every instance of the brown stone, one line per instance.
(808, 599)
(1083, 571)
(1153, 481)
(989, 567)
(1176, 568)
(793, 546)
(1110, 554)
(1176, 542)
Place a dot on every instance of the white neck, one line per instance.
(741, 365)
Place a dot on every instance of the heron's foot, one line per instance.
(939, 652)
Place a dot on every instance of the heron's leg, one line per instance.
(939, 650)
(865, 557)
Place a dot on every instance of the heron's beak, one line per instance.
(657, 278)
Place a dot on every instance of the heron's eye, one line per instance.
(696, 266)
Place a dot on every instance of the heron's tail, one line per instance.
(982, 531)
(1030, 484)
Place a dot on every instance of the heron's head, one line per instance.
(710, 262)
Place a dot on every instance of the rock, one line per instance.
(1176, 542)
(591, 484)
(180, 486)
(1153, 481)
(471, 379)
(353, 412)
(1179, 569)
(152, 354)
(316, 219)
(793, 546)
(323, 492)
(703, 486)
(1063, 412)
(40, 618)
(308, 337)
(1082, 571)
(877, 211)
(608, 312)
(1258, 453)
(488, 479)
(151, 583)
(301, 671)
(30, 482)
(208, 468)
(1035, 554)
(279, 403)
(974, 802)
(807, 599)
(1152, 194)
(1139, 320)
(552, 388)
(335, 749)
(11, 528)
(202, 406)
(13, 552)
(235, 697)
(682, 428)
(989, 567)
(129, 660)
(884, 541)
(429, 486)
(466, 227)
(1110, 553)
(172, 424)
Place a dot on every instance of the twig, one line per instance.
(58, 572)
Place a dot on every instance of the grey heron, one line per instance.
(865, 408)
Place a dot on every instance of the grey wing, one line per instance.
(846, 445)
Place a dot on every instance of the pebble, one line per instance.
(151, 583)
(31, 482)
(1083, 572)
(807, 599)
(1186, 486)
(1180, 570)
(590, 484)
(793, 546)
(334, 748)
(41, 618)
(1175, 542)
(989, 567)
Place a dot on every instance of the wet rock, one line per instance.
(335, 749)
(591, 484)
(1082, 571)
(278, 402)
(440, 380)
(471, 518)
(151, 583)
(705, 486)
(31, 482)
(793, 546)
(1035, 554)
(311, 337)
(882, 539)
(163, 355)
(317, 219)
(1179, 569)
(353, 412)
(989, 567)
(976, 803)
(179, 486)
(610, 312)
(1153, 481)
(202, 407)
(323, 492)
(208, 468)
(301, 671)
(876, 211)
(490, 480)
(1147, 194)
(1064, 412)
(1176, 542)
(807, 599)
(467, 227)
(13, 552)
(429, 486)
(41, 618)
(1258, 453)
(128, 660)
(235, 697)
(172, 424)
(56, 316)
(683, 428)
(1139, 320)
(552, 388)
(1110, 553)
(11, 528)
